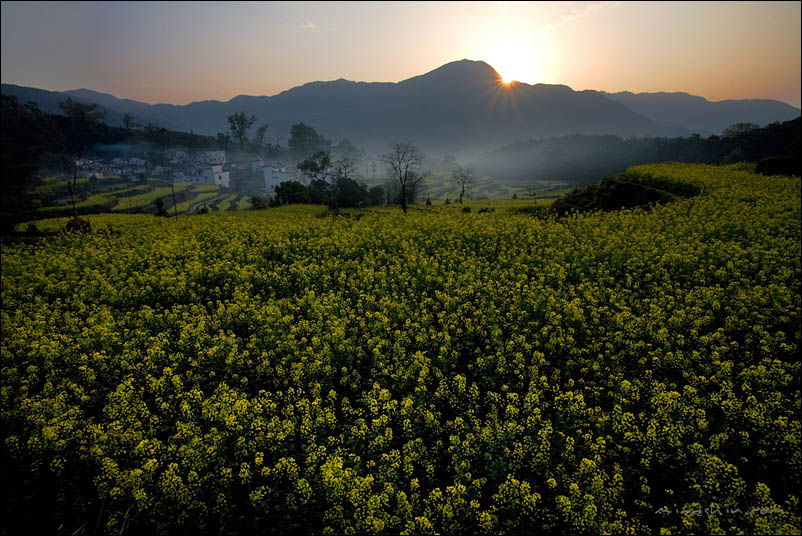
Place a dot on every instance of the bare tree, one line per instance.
(404, 162)
(345, 168)
(464, 177)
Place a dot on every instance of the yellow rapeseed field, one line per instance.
(631, 372)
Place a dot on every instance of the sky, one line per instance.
(185, 51)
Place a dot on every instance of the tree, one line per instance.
(318, 192)
(291, 192)
(376, 195)
(348, 192)
(344, 168)
(346, 149)
(161, 210)
(77, 111)
(223, 141)
(84, 122)
(737, 129)
(734, 156)
(26, 135)
(464, 177)
(239, 123)
(158, 136)
(317, 166)
(404, 163)
(128, 122)
(304, 140)
(259, 139)
(258, 202)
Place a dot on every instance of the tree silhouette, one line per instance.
(304, 140)
(464, 177)
(405, 162)
(239, 123)
(128, 122)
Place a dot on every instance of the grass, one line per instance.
(244, 203)
(200, 197)
(145, 199)
(227, 202)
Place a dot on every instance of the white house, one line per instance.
(216, 175)
(209, 175)
(215, 157)
(275, 176)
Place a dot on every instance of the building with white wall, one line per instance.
(275, 176)
(206, 175)
(215, 157)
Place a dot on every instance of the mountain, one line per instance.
(48, 101)
(459, 107)
(701, 115)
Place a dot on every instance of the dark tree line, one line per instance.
(343, 193)
(331, 182)
(583, 159)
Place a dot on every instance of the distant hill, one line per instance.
(460, 107)
(581, 159)
(48, 101)
(700, 115)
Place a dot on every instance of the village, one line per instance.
(208, 167)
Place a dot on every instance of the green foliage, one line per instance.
(737, 129)
(291, 192)
(259, 202)
(161, 209)
(317, 166)
(626, 190)
(318, 192)
(439, 372)
(305, 141)
(82, 113)
(26, 135)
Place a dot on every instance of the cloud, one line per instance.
(578, 10)
(308, 25)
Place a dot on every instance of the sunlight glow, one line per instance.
(513, 59)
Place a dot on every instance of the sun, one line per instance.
(513, 60)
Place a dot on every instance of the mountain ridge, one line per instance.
(459, 106)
